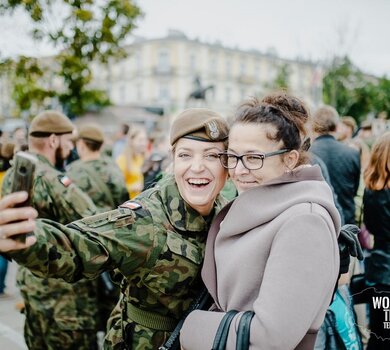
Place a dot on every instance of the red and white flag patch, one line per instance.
(131, 205)
(65, 180)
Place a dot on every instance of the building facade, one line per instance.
(162, 72)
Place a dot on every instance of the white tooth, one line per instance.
(198, 182)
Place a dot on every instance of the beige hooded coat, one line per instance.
(276, 253)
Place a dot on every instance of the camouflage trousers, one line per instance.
(43, 333)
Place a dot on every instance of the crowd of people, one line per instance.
(125, 242)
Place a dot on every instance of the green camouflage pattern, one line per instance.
(158, 248)
(52, 303)
(104, 183)
(89, 175)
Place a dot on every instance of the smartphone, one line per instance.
(23, 180)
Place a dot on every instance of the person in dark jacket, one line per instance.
(376, 201)
(342, 161)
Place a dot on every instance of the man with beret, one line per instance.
(156, 241)
(59, 315)
(97, 175)
(103, 181)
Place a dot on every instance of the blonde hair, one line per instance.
(377, 173)
(128, 152)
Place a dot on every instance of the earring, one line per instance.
(287, 169)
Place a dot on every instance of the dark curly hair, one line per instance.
(287, 113)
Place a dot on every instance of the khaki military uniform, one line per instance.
(157, 243)
(102, 180)
(59, 315)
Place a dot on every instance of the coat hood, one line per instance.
(303, 185)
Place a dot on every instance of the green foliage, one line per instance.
(28, 92)
(354, 93)
(282, 77)
(86, 31)
(281, 80)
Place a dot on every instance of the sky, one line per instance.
(308, 29)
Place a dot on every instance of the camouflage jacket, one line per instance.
(56, 198)
(102, 180)
(157, 243)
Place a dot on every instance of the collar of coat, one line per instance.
(301, 173)
(181, 215)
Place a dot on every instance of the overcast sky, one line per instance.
(311, 29)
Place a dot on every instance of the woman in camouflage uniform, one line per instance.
(157, 242)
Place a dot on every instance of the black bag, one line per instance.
(202, 302)
(360, 292)
(243, 332)
(223, 331)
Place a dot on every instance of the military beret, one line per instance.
(199, 124)
(366, 124)
(90, 132)
(7, 150)
(50, 122)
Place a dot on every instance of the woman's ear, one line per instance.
(291, 159)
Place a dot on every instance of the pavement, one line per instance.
(11, 320)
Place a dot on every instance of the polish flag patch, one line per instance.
(66, 181)
(131, 205)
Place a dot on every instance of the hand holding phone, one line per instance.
(23, 180)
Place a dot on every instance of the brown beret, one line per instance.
(50, 122)
(7, 150)
(366, 124)
(90, 132)
(199, 124)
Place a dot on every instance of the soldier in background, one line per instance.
(103, 181)
(59, 315)
(98, 176)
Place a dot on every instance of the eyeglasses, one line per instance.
(251, 161)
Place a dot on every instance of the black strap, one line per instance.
(221, 336)
(243, 332)
(200, 303)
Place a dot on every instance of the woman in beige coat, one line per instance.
(276, 251)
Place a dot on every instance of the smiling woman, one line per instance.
(157, 241)
(275, 237)
(198, 172)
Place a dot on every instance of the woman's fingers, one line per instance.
(12, 199)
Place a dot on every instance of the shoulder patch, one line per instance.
(65, 180)
(131, 205)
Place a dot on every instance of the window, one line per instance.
(228, 94)
(193, 62)
(242, 68)
(139, 92)
(164, 93)
(163, 64)
(122, 94)
(228, 68)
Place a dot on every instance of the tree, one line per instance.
(28, 92)
(281, 80)
(86, 31)
(354, 93)
(282, 77)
